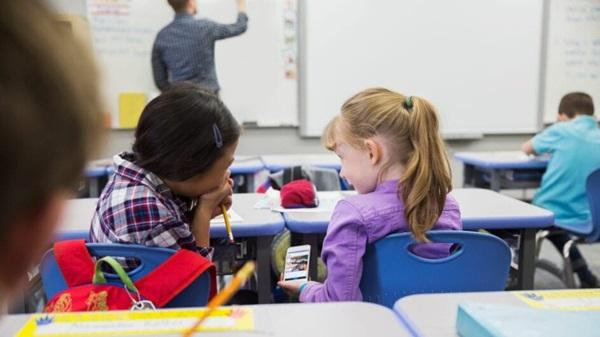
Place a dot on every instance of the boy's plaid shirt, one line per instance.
(137, 207)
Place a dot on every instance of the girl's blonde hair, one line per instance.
(410, 126)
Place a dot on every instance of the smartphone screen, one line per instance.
(296, 263)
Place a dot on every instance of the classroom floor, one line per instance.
(545, 280)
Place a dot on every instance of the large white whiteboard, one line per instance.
(477, 61)
(573, 57)
(251, 67)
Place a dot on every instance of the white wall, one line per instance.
(287, 140)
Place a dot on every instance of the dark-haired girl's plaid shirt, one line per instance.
(137, 207)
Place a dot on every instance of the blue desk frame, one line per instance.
(93, 175)
(508, 170)
(243, 170)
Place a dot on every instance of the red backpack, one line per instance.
(88, 291)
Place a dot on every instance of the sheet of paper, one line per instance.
(233, 217)
(570, 300)
(270, 200)
(135, 323)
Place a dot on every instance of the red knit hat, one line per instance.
(299, 194)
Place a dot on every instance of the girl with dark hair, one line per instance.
(165, 192)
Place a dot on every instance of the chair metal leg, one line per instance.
(541, 235)
(568, 276)
(551, 268)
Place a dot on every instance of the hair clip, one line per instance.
(217, 136)
(409, 102)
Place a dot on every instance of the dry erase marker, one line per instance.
(240, 278)
(227, 224)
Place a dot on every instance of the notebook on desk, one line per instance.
(493, 320)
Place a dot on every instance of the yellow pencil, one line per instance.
(227, 224)
(240, 278)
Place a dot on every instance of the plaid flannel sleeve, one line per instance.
(147, 221)
(176, 234)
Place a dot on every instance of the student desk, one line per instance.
(480, 209)
(348, 319)
(77, 218)
(243, 171)
(95, 172)
(276, 163)
(261, 224)
(504, 169)
(435, 314)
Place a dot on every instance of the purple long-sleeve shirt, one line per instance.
(360, 220)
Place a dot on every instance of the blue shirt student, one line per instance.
(575, 149)
(574, 143)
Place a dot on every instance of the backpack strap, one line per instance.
(74, 261)
(169, 279)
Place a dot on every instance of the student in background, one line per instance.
(392, 153)
(165, 192)
(50, 123)
(574, 143)
(184, 50)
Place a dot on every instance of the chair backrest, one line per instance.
(592, 188)
(196, 294)
(324, 179)
(391, 270)
(72, 235)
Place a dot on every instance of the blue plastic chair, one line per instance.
(195, 295)
(481, 262)
(588, 232)
(72, 235)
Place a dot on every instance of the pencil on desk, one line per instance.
(222, 297)
(227, 224)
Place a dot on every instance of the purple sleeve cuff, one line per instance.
(302, 287)
(304, 293)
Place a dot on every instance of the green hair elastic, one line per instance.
(409, 102)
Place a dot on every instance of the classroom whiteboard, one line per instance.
(257, 70)
(573, 62)
(477, 61)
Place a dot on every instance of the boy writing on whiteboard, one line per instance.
(184, 50)
(574, 143)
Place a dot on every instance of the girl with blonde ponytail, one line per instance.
(392, 153)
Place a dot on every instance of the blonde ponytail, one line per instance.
(427, 180)
(411, 125)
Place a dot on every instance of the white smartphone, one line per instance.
(297, 261)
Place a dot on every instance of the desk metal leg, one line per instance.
(263, 265)
(526, 259)
(94, 187)
(495, 181)
(468, 175)
(250, 188)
